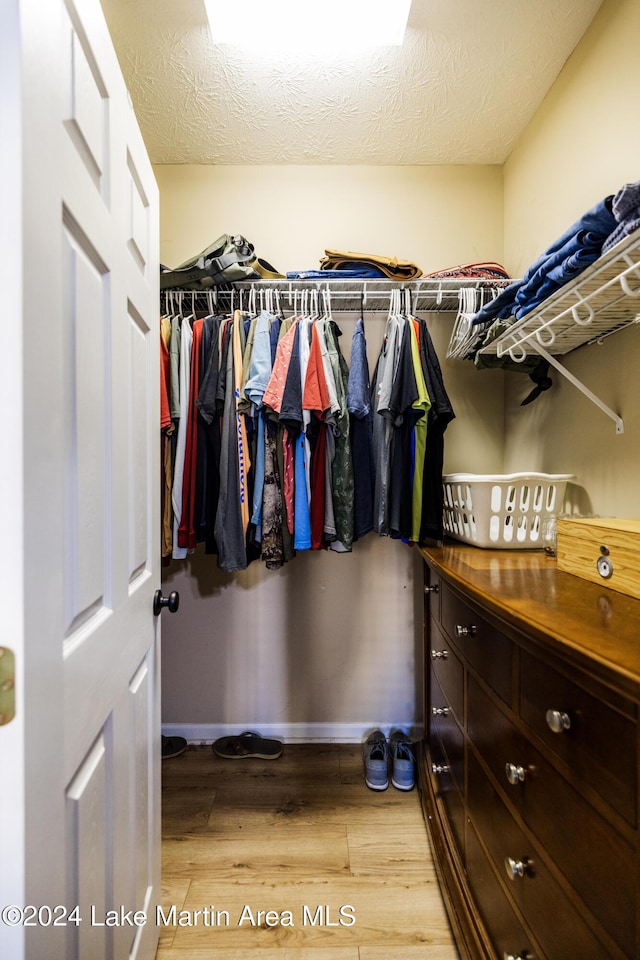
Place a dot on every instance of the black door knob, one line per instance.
(172, 602)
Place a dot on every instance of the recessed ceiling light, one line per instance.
(301, 26)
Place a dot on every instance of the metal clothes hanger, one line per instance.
(416, 299)
(394, 303)
(407, 301)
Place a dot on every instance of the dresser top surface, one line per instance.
(580, 620)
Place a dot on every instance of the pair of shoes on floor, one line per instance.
(247, 744)
(396, 754)
(172, 747)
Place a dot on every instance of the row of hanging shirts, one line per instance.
(272, 444)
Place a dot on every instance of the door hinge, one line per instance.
(7, 685)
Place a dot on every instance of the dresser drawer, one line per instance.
(561, 931)
(601, 870)
(446, 791)
(492, 733)
(593, 857)
(447, 667)
(596, 739)
(487, 650)
(507, 934)
(448, 732)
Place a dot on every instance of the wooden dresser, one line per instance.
(529, 773)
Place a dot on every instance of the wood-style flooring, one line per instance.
(302, 837)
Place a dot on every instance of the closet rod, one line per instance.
(426, 294)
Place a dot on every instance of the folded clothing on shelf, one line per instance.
(626, 210)
(390, 267)
(472, 271)
(565, 259)
(362, 272)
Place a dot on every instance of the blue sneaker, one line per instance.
(403, 761)
(376, 761)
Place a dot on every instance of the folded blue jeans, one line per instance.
(576, 248)
(359, 273)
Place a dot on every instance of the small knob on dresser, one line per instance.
(516, 869)
(514, 773)
(440, 711)
(439, 654)
(523, 955)
(432, 588)
(557, 721)
(439, 768)
(462, 630)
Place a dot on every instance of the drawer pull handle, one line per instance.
(524, 955)
(516, 869)
(440, 711)
(462, 630)
(439, 654)
(439, 768)
(557, 721)
(432, 588)
(514, 773)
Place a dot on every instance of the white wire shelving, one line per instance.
(423, 295)
(604, 299)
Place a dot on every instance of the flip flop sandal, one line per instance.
(247, 744)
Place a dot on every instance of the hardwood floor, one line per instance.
(346, 872)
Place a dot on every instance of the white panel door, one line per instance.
(79, 485)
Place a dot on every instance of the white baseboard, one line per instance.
(288, 732)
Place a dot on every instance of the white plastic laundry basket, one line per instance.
(505, 510)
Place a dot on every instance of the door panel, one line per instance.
(87, 847)
(140, 705)
(139, 424)
(83, 757)
(88, 109)
(87, 398)
(139, 217)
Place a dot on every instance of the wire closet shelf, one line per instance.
(605, 298)
(424, 295)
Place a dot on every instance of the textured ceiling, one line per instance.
(467, 80)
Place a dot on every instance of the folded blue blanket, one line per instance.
(626, 210)
(563, 266)
(564, 260)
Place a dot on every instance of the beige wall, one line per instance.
(331, 644)
(433, 216)
(582, 145)
(325, 648)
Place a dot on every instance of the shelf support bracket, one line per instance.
(535, 345)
